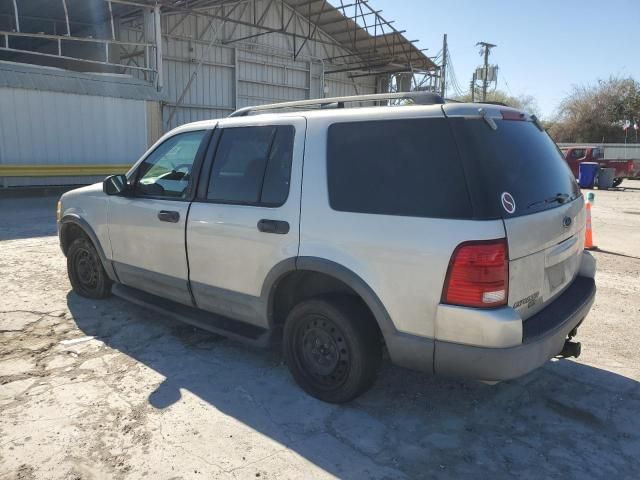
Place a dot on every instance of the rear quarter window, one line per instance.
(396, 167)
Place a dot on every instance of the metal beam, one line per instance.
(16, 16)
(235, 26)
(66, 17)
(332, 22)
(363, 66)
(83, 60)
(251, 24)
(113, 28)
(158, 41)
(198, 106)
(311, 33)
(66, 38)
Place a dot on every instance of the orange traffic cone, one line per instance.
(588, 238)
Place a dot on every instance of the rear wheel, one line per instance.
(86, 273)
(332, 348)
(617, 181)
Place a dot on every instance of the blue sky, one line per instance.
(544, 46)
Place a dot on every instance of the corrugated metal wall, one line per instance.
(237, 74)
(53, 128)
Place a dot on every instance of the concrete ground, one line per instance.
(92, 390)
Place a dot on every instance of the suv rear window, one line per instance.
(396, 167)
(518, 159)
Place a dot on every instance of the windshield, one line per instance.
(514, 170)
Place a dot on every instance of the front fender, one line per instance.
(65, 228)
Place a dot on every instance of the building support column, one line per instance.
(158, 43)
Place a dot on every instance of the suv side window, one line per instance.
(168, 171)
(252, 166)
(396, 167)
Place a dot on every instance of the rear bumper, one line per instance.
(544, 335)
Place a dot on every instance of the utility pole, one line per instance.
(472, 88)
(485, 81)
(443, 71)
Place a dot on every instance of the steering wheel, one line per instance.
(185, 166)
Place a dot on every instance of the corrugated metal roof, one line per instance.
(373, 43)
(34, 77)
(387, 50)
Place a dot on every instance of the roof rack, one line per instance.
(420, 98)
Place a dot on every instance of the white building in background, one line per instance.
(87, 85)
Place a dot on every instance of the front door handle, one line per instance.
(168, 216)
(278, 227)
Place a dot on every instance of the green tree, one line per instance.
(596, 113)
(523, 102)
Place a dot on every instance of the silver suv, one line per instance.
(449, 234)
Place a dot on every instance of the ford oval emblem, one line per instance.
(566, 222)
(508, 203)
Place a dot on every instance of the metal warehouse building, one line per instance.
(87, 85)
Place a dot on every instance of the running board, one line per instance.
(234, 329)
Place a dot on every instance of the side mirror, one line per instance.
(115, 185)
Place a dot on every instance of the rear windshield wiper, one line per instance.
(558, 197)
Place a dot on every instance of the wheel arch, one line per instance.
(72, 226)
(293, 269)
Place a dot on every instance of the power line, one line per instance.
(453, 78)
(506, 84)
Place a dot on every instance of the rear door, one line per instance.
(516, 172)
(245, 219)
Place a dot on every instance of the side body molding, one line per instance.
(74, 219)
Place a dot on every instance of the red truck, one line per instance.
(574, 156)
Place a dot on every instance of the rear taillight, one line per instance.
(478, 275)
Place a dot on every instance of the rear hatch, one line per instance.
(516, 172)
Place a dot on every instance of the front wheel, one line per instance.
(332, 347)
(86, 273)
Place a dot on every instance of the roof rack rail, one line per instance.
(420, 98)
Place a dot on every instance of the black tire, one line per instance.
(332, 347)
(85, 270)
(617, 181)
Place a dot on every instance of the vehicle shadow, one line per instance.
(566, 419)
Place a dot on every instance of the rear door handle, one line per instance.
(168, 216)
(278, 227)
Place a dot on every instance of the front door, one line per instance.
(246, 217)
(147, 229)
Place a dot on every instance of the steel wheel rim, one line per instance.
(322, 352)
(86, 267)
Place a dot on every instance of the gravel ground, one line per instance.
(92, 390)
